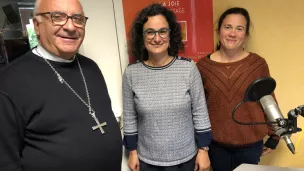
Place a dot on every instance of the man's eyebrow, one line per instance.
(79, 14)
(57, 11)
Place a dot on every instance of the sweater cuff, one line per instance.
(203, 139)
(130, 142)
(272, 142)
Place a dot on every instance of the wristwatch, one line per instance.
(205, 148)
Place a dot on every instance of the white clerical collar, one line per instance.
(39, 50)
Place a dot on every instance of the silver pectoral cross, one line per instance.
(98, 124)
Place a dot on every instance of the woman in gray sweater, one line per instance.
(166, 123)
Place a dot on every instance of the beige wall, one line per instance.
(277, 35)
(101, 45)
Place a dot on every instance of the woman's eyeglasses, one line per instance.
(150, 33)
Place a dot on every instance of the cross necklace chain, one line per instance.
(87, 104)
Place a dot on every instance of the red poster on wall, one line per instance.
(195, 17)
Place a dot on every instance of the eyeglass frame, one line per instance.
(156, 31)
(68, 17)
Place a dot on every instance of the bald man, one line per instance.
(55, 111)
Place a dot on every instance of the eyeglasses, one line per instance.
(150, 33)
(60, 18)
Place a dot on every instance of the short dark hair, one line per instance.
(234, 10)
(136, 37)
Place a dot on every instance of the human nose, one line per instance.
(69, 25)
(232, 32)
(157, 37)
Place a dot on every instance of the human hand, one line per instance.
(266, 151)
(133, 162)
(202, 162)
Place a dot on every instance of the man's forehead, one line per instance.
(67, 6)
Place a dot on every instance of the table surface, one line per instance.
(249, 167)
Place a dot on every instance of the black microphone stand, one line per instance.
(291, 125)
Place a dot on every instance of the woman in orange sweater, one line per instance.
(226, 74)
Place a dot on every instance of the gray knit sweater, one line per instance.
(164, 108)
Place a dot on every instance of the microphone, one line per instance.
(274, 114)
(261, 90)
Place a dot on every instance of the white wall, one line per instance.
(101, 45)
(105, 43)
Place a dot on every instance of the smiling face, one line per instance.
(232, 33)
(157, 46)
(63, 41)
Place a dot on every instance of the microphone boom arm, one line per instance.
(292, 127)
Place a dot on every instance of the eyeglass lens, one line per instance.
(150, 33)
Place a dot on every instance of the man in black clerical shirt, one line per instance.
(55, 110)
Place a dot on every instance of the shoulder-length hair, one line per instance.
(136, 38)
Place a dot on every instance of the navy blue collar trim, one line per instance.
(161, 67)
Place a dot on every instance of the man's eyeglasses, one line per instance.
(60, 18)
(150, 33)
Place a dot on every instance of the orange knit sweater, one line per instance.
(225, 85)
